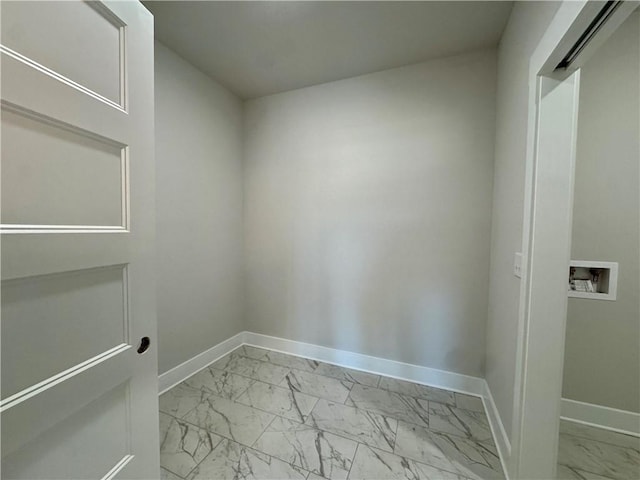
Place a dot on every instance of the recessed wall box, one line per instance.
(594, 280)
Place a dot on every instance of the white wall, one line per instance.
(199, 210)
(602, 358)
(367, 212)
(527, 24)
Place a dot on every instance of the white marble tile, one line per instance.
(472, 459)
(391, 404)
(317, 385)
(419, 391)
(313, 476)
(277, 400)
(347, 374)
(255, 369)
(181, 399)
(469, 402)
(291, 361)
(219, 382)
(599, 458)
(370, 463)
(228, 359)
(167, 475)
(230, 419)
(416, 442)
(253, 352)
(182, 445)
(464, 423)
(306, 447)
(572, 473)
(359, 425)
(231, 460)
(600, 434)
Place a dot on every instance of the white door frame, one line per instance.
(538, 382)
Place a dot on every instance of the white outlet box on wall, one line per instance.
(601, 276)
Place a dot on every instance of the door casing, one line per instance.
(546, 245)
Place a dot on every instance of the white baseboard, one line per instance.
(183, 371)
(621, 421)
(497, 428)
(456, 382)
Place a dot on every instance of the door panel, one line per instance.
(96, 440)
(78, 181)
(77, 248)
(44, 405)
(42, 312)
(79, 40)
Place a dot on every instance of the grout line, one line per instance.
(174, 473)
(377, 412)
(429, 414)
(252, 446)
(188, 411)
(210, 453)
(254, 380)
(422, 462)
(262, 433)
(395, 436)
(354, 460)
(379, 380)
(213, 447)
(380, 376)
(278, 385)
(225, 437)
(577, 470)
(329, 400)
(241, 347)
(584, 437)
(311, 426)
(311, 411)
(348, 396)
(307, 425)
(320, 362)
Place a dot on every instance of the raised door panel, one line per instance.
(80, 41)
(70, 177)
(67, 318)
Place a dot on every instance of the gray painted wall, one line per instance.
(602, 358)
(367, 212)
(527, 24)
(199, 210)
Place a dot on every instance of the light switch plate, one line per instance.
(517, 265)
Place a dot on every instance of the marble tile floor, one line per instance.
(590, 453)
(259, 414)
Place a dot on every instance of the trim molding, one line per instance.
(497, 428)
(171, 378)
(621, 421)
(456, 382)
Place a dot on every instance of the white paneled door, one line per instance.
(79, 371)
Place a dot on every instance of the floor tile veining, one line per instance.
(259, 414)
(586, 452)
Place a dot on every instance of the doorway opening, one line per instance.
(550, 213)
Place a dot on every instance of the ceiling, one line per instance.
(260, 48)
